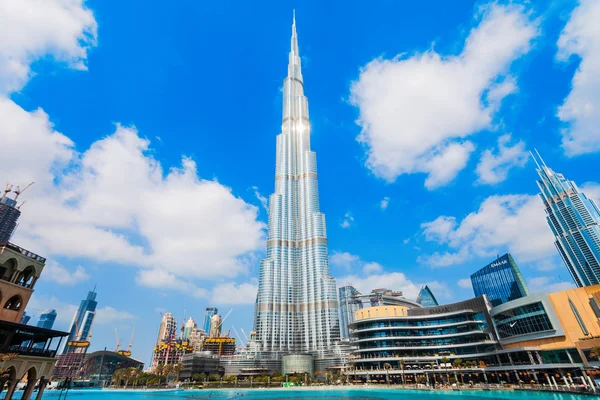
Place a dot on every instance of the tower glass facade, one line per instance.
(348, 306)
(208, 313)
(575, 222)
(9, 214)
(297, 306)
(47, 319)
(81, 325)
(426, 297)
(501, 281)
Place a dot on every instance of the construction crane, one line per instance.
(118, 342)
(7, 189)
(127, 352)
(18, 190)
(245, 336)
(238, 335)
(223, 320)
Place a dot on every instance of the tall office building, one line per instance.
(25, 318)
(47, 319)
(297, 306)
(501, 281)
(575, 222)
(168, 328)
(190, 325)
(426, 297)
(9, 214)
(81, 325)
(348, 307)
(208, 313)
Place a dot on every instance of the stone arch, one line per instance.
(8, 268)
(26, 277)
(14, 303)
(31, 374)
(10, 373)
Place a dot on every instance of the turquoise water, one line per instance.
(338, 394)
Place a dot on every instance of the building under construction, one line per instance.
(9, 211)
(219, 346)
(70, 363)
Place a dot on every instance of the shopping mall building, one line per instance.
(540, 338)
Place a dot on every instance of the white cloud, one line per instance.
(544, 284)
(581, 109)
(372, 268)
(116, 204)
(161, 279)
(108, 315)
(384, 203)
(514, 223)
(592, 191)
(494, 168)
(465, 283)
(415, 112)
(59, 274)
(347, 221)
(231, 293)
(64, 311)
(30, 29)
(264, 202)
(374, 276)
(343, 259)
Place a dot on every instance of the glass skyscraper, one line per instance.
(208, 313)
(575, 222)
(501, 281)
(426, 297)
(82, 321)
(348, 306)
(297, 305)
(47, 319)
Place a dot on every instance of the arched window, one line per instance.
(26, 276)
(14, 303)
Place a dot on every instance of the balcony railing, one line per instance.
(23, 251)
(25, 351)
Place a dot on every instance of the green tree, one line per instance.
(444, 361)
(457, 363)
(214, 377)
(402, 362)
(595, 352)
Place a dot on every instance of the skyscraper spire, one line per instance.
(296, 307)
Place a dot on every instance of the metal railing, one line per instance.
(23, 251)
(25, 351)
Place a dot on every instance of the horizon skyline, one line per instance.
(423, 180)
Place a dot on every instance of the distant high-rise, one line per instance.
(189, 327)
(84, 317)
(208, 313)
(47, 319)
(348, 306)
(168, 328)
(297, 306)
(426, 297)
(9, 214)
(575, 222)
(501, 281)
(215, 325)
(25, 318)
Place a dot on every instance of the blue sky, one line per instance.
(150, 133)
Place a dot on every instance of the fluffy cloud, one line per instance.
(374, 277)
(415, 112)
(544, 284)
(231, 293)
(465, 283)
(347, 221)
(384, 203)
(581, 109)
(514, 223)
(264, 202)
(343, 259)
(592, 191)
(494, 168)
(59, 274)
(30, 29)
(108, 314)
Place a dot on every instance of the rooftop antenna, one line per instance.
(21, 205)
(535, 160)
(18, 190)
(294, 16)
(541, 159)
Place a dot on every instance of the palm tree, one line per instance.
(457, 363)
(402, 362)
(595, 352)
(176, 369)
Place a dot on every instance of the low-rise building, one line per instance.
(100, 366)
